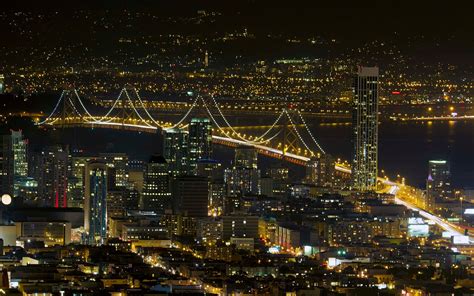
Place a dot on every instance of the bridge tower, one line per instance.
(69, 111)
(127, 111)
(290, 136)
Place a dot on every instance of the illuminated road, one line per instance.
(394, 189)
(437, 118)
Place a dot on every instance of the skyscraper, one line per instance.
(156, 185)
(95, 202)
(244, 177)
(20, 159)
(175, 151)
(364, 122)
(212, 169)
(320, 171)
(200, 142)
(6, 165)
(76, 180)
(13, 162)
(118, 168)
(50, 169)
(438, 183)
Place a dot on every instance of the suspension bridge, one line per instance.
(288, 137)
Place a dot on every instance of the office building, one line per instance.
(50, 169)
(280, 180)
(438, 183)
(6, 165)
(13, 162)
(212, 169)
(118, 168)
(320, 171)
(365, 130)
(200, 142)
(156, 193)
(175, 151)
(20, 159)
(246, 156)
(95, 203)
(243, 226)
(76, 181)
(28, 191)
(190, 196)
(244, 177)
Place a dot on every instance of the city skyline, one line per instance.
(237, 148)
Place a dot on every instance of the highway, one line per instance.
(394, 188)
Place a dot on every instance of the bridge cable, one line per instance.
(136, 112)
(110, 110)
(311, 134)
(54, 110)
(230, 126)
(82, 104)
(296, 130)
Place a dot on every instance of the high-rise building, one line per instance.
(76, 181)
(438, 183)
(320, 171)
(175, 151)
(190, 196)
(20, 159)
(244, 177)
(6, 165)
(364, 122)
(118, 168)
(200, 142)
(95, 202)
(246, 156)
(50, 169)
(212, 169)
(280, 180)
(156, 193)
(13, 162)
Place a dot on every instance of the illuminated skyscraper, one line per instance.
(438, 183)
(20, 159)
(320, 171)
(95, 202)
(13, 162)
(200, 142)
(156, 185)
(50, 169)
(118, 168)
(6, 165)
(212, 169)
(364, 122)
(244, 177)
(76, 181)
(175, 151)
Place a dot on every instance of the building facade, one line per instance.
(200, 142)
(95, 203)
(365, 129)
